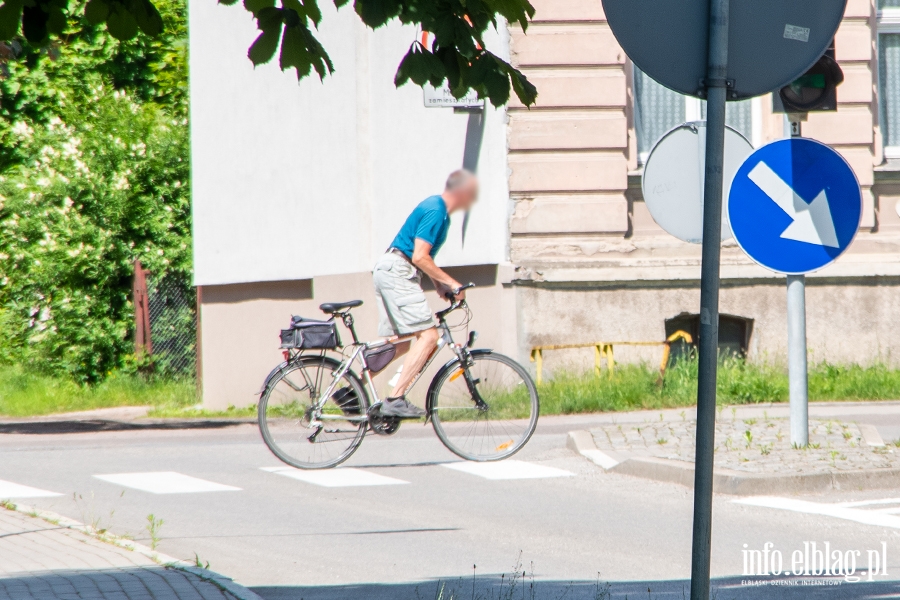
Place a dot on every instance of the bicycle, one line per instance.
(315, 410)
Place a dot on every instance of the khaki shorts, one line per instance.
(402, 307)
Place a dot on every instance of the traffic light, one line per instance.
(815, 90)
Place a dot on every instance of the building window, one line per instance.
(656, 110)
(889, 74)
(734, 335)
(659, 109)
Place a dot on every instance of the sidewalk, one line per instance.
(124, 418)
(753, 453)
(43, 561)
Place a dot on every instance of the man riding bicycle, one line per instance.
(402, 307)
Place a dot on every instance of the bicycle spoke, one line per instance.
(306, 429)
(486, 434)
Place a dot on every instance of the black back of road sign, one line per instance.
(771, 42)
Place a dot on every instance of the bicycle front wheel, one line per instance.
(302, 430)
(494, 422)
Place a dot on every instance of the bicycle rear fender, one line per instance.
(432, 391)
(269, 377)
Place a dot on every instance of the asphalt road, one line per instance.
(431, 523)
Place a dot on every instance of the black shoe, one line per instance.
(401, 408)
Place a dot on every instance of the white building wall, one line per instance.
(297, 181)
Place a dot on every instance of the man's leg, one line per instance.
(425, 342)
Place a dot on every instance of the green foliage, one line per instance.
(458, 54)
(24, 393)
(99, 188)
(39, 19)
(741, 382)
(95, 173)
(853, 382)
(172, 304)
(43, 81)
(636, 387)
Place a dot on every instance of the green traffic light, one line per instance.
(816, 81)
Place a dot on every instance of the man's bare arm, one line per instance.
(421, 258)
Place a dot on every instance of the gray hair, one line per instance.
(458, 178)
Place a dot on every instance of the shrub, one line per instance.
(97, 188)
(94, 157)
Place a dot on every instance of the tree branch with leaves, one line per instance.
(458, 54)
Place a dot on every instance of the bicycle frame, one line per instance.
(358, 354)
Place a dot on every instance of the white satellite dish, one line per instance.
(674, 177)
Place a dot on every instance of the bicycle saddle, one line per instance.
(333, 307)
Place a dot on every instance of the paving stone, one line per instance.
(752, 445)
(41, 561)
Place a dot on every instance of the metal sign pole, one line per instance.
(796, 318)
(798, 375)
(716, 85)
(774, 44)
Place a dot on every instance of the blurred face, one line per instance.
(466, 195)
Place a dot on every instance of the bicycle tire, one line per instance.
(484, 435)
(282, 425)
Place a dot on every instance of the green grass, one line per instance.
(635, 387)
(24, 394)
(179, 411)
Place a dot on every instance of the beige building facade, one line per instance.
(571, 253)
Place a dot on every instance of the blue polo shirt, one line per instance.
(429, 222)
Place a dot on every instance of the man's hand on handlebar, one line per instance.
(458, 292)
(445, 290)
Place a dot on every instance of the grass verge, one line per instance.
(636, 387)
(632, 387)
(25, 394)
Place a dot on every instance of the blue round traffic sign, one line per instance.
(795, 206)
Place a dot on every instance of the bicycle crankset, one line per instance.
(380, 424)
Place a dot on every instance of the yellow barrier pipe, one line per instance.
(537, 356)
(605, 350)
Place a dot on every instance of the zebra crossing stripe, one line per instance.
(861, 503)
(10, 490)
(166, 482)
(507, 469)
(838, 511)
(339, 477)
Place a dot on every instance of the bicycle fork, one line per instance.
(471, 382)
(462, 357)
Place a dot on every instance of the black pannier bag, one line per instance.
(379, 357)
(307, 334)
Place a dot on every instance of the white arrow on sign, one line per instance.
(812, 222)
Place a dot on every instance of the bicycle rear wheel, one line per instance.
(289, 422)
(492, 424)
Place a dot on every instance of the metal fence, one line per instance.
(173, 325)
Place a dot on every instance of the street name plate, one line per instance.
(442, 98)
(770, 42)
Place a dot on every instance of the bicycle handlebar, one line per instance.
(454, 303)
(451, 295)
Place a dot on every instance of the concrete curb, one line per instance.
(870, 435)
(65, 426)
(222, 582)
(582, 442)
(734, 483)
